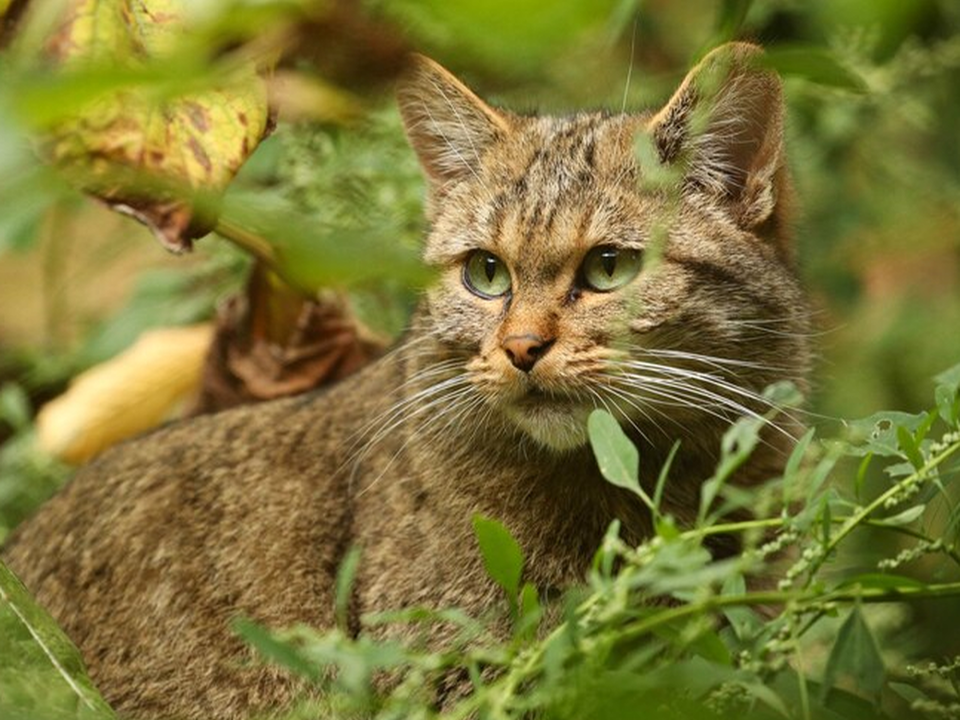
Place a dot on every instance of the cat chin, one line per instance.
(556, 429)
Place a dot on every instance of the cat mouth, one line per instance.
(553, 420)
(536, 398)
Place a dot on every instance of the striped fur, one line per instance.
(150, 551)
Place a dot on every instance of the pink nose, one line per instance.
(525, 350)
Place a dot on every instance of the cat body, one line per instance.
(554, 296)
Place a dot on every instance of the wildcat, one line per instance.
(567, 280)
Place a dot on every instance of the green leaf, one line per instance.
(502, 556)
(856, 655)
(140, 139)
(814, 65)
(880, 581)
(744, 620)
(737, 445)
(530, 612)
(666, 527)
(903, 518)
(862, 474)
(921, 433)
(731, 17)
(529, 600)
(908, 445)
(948, 404)
(908, 692)
(274, 649)
(796, 457)
(948, 395)
(14, 406)
(41, 672)
(606, 555)
(309, 256)
(949, 379)
(663, 476)
(826, 520)
(617, 457)
(879, 432)
(710, 647)
(767, 696)
(344, 586)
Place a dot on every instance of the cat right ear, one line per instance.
(449, 127)
(724, 128)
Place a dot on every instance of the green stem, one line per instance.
(530, 664)
(770, 523)
(261, 249)
(781, 597)
(858, 518)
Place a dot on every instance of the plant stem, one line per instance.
(779, 597)
(769, 523)
(858, 518)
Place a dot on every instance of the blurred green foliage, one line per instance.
(873, 90)
(877, 171)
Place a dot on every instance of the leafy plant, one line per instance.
(28, 476)
(793, 626)
(41, 674)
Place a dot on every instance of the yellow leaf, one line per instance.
(143, 151)
(133, 392)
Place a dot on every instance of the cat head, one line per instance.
(638, 262)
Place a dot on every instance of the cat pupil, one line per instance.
(491, 268)
(608, 259)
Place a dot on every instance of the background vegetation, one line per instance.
(873, 88)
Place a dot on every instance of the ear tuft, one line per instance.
(449, 127)
(725, 126)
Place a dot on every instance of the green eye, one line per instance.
(606, 268)
(486, 275)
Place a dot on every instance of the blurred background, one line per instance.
(873, 88)
(312, 270)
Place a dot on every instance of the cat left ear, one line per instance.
(725, 126)
(448, 126)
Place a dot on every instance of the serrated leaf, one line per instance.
(856, 655)
(617, 457)
(502, 556)
(41, 672)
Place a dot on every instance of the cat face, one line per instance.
(573, 277)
